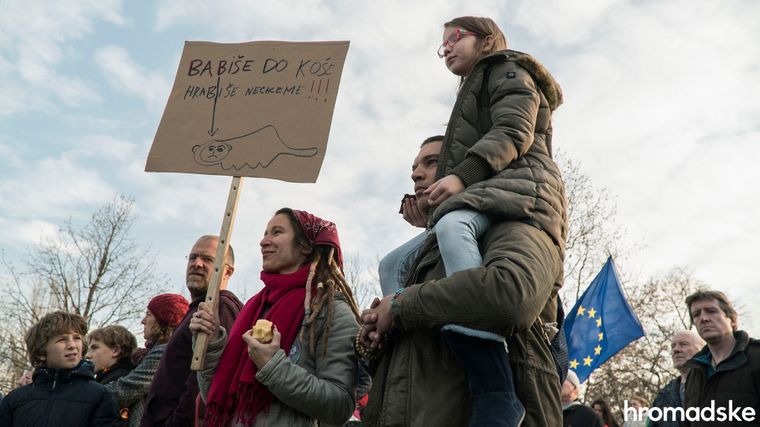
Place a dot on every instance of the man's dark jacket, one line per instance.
(171, 399)
(668, 397)
(417, 382)
(580, 416)
(120, 369)
(736, 379)
(68, 397)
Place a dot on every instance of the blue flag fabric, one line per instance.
(601, 323)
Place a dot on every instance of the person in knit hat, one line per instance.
(574, 413)
(172, 400)
(167, 309)
(165, 312)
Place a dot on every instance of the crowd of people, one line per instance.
(465, 333)
(718, 368)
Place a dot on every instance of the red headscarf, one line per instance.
(320, 232)
(235, 394)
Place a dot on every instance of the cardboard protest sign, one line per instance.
(256, 109)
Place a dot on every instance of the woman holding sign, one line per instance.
(300, 367)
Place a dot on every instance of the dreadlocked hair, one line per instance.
(329, 279)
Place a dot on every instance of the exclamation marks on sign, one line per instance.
(319, 89)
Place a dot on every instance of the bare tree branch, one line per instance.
(95, 269)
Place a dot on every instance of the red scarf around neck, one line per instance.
(235, 394)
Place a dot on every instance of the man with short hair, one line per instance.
(417, 381)
(395, 266)
(172, 396)
(726, 372)
(683, 346)
(574, 413)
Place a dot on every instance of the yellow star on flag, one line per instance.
(591, 312)
(581, 310)
(601, 336)
(597, 350)
(599, 322)
(587, 361)
(574, 363)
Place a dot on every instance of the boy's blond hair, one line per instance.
(51, 325)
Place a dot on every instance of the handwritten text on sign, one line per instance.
(260, 109)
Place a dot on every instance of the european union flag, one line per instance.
(601, 323)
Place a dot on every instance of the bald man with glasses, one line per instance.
(171, 400)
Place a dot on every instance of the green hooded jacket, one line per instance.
(499, 143)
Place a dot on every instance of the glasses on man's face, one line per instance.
(453, 39)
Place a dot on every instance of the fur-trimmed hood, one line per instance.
(499, 143)
(545, 81)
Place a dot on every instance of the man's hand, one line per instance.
(259, 352)
(369, 320)
(205, 321)
(413, 214)
(443, 189)
(378, 322)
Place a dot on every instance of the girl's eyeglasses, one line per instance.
(453, 39)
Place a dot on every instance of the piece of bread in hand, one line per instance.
(262, 330)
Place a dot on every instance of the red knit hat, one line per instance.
(168, 309)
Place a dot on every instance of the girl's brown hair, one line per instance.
(485, 28)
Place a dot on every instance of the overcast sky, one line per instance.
(662, 108)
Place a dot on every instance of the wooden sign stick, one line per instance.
(212, 293)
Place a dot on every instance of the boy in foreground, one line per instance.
(63, 391)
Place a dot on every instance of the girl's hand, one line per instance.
(205, 321)
(443, 189)
(259, 352)
(413, 214)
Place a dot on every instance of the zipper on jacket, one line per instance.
(446, 139)
(50, 398)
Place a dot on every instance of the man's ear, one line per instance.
(228, 270)
(196, 147)
(116, 352)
